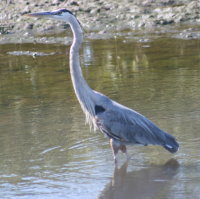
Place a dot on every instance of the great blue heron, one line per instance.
(122, 125)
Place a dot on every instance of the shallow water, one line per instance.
(46, 151)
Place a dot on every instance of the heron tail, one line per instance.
(171, 144)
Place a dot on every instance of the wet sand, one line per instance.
(100, 15)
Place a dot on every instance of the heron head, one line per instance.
(61, 14)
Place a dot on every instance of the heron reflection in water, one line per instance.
(147, 183)
(122, 125)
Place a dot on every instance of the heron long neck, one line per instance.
(83, 92)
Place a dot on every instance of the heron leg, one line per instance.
(115, 148)
(124, 150)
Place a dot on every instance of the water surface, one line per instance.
(46, 151)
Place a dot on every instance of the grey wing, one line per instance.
(129, 127)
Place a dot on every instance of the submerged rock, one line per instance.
(29, 53)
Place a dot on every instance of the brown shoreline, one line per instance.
(103, 15)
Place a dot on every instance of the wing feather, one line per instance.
(128, 126)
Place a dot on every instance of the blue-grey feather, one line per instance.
(130, 127)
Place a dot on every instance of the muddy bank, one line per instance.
(100, 15)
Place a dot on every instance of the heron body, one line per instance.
(122, 125)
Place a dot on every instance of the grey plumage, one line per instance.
(129, 127)
(122, 125)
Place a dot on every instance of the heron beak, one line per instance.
(41, 14)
